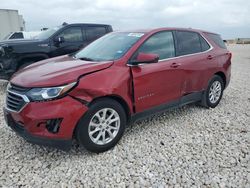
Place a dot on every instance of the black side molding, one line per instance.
(186, 99)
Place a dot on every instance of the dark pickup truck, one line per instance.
(61, 40)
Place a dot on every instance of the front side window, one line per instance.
(95, 32)
(161, 43)
(17, 35)
(73, 34)
(109, 47)
(187, 43)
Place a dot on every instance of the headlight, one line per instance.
(1, 51)
(40, 94)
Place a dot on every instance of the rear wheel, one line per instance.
(213, 93)
(102, 126)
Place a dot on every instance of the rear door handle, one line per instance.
(175, 65)
(209, 57)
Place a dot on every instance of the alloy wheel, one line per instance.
(104, 126)
(215, 92)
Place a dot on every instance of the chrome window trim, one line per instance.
(25, 98)
(187, 55)
(171, 58)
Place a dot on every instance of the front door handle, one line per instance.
(175, 65)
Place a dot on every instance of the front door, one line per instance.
(157, 83)
(73, 41)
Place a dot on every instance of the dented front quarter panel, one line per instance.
(114, 81)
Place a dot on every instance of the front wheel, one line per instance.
(213, 93)
(102, 126)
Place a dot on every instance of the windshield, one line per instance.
(46, 34)
(110, 47)
(7, 36)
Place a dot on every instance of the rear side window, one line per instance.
(204, 45)
(188, 43)
(161, 43)
(217, 40)
(95, 32)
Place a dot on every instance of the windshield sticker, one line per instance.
(135, 34)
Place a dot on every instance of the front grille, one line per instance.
(18, 89)
(14, 101)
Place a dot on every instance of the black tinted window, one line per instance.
(17, 36)
(95, 32)
(217, 40)
(161, 43)
(73, 34)
(204, 45)
(188, 42)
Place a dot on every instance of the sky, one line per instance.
(230, 18)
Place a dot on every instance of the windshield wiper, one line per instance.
(86, 59)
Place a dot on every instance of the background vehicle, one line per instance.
(22, 35)
(64, 39)
(92, 94)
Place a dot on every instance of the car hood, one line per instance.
(56, 71)
(18, 41)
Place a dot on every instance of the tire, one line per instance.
(98, 134)
(211, 98)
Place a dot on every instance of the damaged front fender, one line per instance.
(7, 67)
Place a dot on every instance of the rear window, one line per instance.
(217, 40)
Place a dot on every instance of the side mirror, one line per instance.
(1, 51)
(145, 58)
(59, 40)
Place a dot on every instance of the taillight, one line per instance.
(229, 55)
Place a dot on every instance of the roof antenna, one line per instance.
(65, 23)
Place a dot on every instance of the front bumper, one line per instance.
(21, 131)
(30, 123)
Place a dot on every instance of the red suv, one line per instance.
(93, 94)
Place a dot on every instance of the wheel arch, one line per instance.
(31, 57)
(117, 98)
(223, 76)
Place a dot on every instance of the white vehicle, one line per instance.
(22, 35)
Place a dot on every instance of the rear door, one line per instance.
(192, 52)
(157, 83)
(73, 41)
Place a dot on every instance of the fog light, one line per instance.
(53, 125)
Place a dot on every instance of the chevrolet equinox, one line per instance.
(91, 95)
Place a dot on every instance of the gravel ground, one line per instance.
(187, 147)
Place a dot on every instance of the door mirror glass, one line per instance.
(145, 58)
